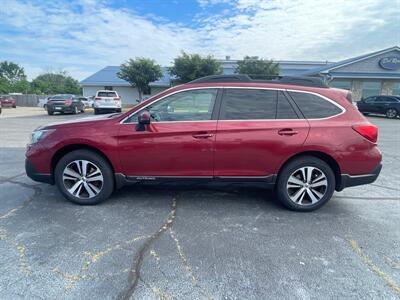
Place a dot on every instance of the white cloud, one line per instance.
(82, 37)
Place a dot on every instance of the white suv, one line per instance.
(106, 101)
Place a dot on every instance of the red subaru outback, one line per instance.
(294, 134)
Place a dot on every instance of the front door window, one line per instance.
(192, 105)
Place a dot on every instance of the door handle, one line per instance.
(202, 135)
(287, 131)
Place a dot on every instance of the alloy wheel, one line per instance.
(83, 179)
(391, 113)
(307, 185)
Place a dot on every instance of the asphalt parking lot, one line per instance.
(198, 242)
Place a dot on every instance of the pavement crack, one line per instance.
(157, 291)
(373, 267)
(5, 179)
(93, 257)
(36, 192)
(188, 268)
(134, 273)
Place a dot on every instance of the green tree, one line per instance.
(4, 86)
(257, 67)
(188, 67)
(11, 72)
(55, 83)
(139, 72)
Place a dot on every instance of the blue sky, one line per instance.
(83, 36)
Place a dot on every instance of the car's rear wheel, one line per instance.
(50, 112)
(391, 113)
(84, 177)
(96, 111)
(305, 184)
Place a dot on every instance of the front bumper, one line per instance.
(34, 175)
(349, 180)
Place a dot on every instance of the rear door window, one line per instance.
(248, 104)
(284, 108)
(313, 106)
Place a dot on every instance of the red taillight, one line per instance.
(97, 98)
(369, 131)
(117, 98)
(68, 102)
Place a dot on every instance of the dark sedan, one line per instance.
(385, 105)
(65, 104)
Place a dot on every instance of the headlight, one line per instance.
(38, 135)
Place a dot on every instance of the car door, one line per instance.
(257, 129)
(380, 105)
(179, 141)
(367, 104)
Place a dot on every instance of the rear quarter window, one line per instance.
(106, 94)
(313, 106)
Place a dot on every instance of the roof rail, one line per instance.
(223, 78)
(292, 80)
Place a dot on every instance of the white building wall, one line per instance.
(128, 94)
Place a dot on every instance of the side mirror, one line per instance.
(143, 120)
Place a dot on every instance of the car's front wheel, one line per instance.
(84, 177)
(305, 184)
(391, 113)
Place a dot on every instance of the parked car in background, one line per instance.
(106, 101)
(8, 101)
(42, 102)
(384, 105)
(88, 101)
(295, 135)
(65, 103)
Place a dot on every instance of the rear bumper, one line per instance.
(107, 105)
(34, 175)
(349, 180)
(60, 108)
(8, 104)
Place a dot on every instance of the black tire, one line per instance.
(94, 158)
(391, 113)
(50, 112)
(305, 161)
(118, 110)
(96, 111)
(14, 106)
(82, 110)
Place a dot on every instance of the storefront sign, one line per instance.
(390, 63)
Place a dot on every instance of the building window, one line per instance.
(341, 84)
(371, 88)
(396, 89)
(108, 88)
